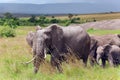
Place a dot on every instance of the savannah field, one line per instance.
(15, 51)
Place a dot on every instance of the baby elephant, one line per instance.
(111, 53)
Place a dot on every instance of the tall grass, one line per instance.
(14, 51)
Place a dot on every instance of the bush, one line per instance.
(7, 32)
(67, 23)
(54, 20)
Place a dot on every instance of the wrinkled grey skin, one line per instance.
(110, 53)
(93, 48)
(30, 36)
(100, 41)
(59, 41)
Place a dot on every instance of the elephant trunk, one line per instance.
(40, 56)
(98, 58)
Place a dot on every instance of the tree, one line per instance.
(70, 16)
(32, 19)
(53, 16)
(9, 20)
(42, 20)
(54, 20)
(8, 15)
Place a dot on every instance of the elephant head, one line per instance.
(100, 53)
(103, 53)
(30, 36)
(51, 39)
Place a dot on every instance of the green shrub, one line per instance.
(53, 20)
(67, 23)
(7, 32)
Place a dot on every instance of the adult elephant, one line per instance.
(110, 53)
(100, 41)
(60, 41)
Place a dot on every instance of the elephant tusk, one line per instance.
(29, 61)
(98, 59)
(45, 55)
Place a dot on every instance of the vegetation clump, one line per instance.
(7, 32)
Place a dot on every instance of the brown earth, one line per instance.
(105, 24)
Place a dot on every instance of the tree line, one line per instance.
(10, 22)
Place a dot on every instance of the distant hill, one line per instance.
(59, 8)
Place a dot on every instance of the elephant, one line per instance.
(110, 53)
(100, 41)
(60, 41)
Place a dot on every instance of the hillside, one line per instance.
(58, 8)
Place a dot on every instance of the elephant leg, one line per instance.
(56, 64)
(59, 68)
(85, 60)
(91, 62)
(86, 54)
(110, 59)
(103, 63)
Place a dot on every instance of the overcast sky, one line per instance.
(61, 1)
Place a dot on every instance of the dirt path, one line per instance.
(105, 24)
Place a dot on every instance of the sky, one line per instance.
(61, 1)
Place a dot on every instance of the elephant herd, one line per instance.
(60, 42)
(106, 48)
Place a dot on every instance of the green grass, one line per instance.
(102, 32)
(14, 51)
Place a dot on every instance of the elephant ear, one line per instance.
(38, 28)
(29, 38)
(56, 33)
(107, 48)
